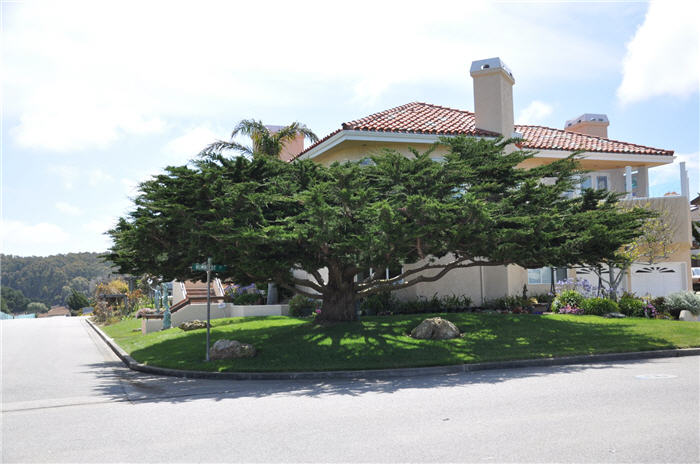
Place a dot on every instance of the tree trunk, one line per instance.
(339, 300)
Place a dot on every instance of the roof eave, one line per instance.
(376, 136)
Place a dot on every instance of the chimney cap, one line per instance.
(488, 66)
(595, 118)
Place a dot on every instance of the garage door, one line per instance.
(658, 279)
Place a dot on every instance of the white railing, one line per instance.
(219, 287)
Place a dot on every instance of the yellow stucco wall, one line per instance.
(355, 150)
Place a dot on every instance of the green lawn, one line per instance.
(292, 344)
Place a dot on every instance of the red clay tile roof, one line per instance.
(419, 118)
(546, 138)
(423, 118)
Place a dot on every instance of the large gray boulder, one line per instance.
(193, 325)
(227, 349)
(435, 328)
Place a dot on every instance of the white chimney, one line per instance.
(493, 96)
(589, 124)
(685, 183)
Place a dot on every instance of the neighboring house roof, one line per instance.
(56, 311)
(424, 118)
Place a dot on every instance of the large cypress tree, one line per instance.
(270, 220)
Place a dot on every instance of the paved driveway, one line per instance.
(66, 398)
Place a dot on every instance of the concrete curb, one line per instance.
(387, 373)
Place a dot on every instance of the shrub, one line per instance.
(599, 306)
(455, 303)
(545, 298)
(679, 301)
(239, 295)
(105, 314)
(301, 306)
(631, 306)
(506, 303)
(246, 298)
(377, 304)
(570, 298)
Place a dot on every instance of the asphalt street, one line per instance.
(67, 398)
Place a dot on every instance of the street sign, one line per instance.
(209, 268)
(212, 267)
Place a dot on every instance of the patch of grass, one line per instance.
(296, 344)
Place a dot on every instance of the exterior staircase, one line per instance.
(196, 293)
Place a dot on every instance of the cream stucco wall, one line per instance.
(678, 211)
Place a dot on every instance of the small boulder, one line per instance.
(615, 315)
(435, 328)
(227, 349)
(193, 325)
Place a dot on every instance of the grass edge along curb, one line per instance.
(386, 373)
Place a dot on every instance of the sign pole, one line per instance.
(208, 302)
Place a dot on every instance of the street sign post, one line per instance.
(209, 267)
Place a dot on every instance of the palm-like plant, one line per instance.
(264, 141)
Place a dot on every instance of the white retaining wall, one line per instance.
(218, 311)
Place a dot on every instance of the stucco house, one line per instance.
(614, 165)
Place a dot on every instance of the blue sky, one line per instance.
(98, 96)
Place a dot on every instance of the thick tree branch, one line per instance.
(318, 277)
(315, 296)
(308, 283)
(395, 284)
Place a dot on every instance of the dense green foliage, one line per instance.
(291, 344)
(599, 306)
(301, 306)
(36, 307)
(52, 279)
(386, 303)
(13, 301)
(631, 306)
(567, 298)
(77, 300)
(266, 218)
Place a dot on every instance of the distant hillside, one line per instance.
(50, 279)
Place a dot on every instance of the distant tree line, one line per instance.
(51, 280)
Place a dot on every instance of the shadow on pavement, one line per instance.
(118, 383)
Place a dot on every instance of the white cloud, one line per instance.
(663, 57)
(666, 178)
(85, 74)
(536, 112)
(100, 225)
(31, 239)
(188, 145)
(67, 174)
(67, 208)
(98, 177)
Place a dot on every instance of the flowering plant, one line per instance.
(570, 310)
(581, 286)
(650, 311)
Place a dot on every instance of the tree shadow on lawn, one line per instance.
(486, 339)
(381, 343)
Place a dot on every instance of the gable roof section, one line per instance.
(420, 118)
(424, 118)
